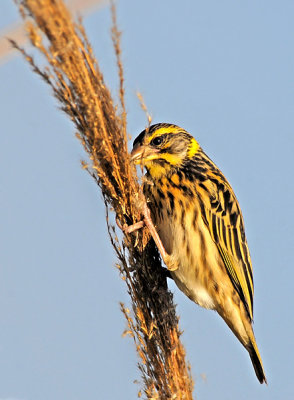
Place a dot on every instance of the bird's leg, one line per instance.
(171, 265)
(168, 260)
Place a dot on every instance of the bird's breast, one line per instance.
(186, 237)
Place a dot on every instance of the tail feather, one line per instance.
(256, 362)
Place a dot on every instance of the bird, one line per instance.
(199, 228)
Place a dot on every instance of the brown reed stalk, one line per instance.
(77, 82)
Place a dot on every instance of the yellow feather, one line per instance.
(193, 148)
(168, 129)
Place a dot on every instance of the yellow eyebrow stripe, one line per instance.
(193, 146)
(161, 131)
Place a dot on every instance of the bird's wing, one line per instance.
(222, 215)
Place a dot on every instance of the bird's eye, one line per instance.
(157, 141)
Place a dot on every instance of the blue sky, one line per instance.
(222, 70)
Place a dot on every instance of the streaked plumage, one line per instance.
(200, 224)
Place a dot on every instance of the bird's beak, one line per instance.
(137, 153)
(141, 153)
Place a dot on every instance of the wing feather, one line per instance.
(222, 215)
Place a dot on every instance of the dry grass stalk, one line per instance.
(77, 82)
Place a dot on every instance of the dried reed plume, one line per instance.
(77, 82)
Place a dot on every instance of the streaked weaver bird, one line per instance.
(198, 227)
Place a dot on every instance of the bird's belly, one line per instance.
(193, 288)
(198, 260)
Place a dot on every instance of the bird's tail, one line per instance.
(256, 361)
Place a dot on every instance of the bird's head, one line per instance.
(162, 148)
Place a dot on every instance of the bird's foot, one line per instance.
(132, 228)
(147, 221)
